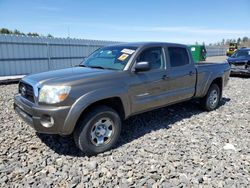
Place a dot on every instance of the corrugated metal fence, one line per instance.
(21, 55)
(215, 51)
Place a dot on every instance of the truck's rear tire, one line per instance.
(212, 98)
(98, 130)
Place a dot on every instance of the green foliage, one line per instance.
(5, 31)
(244, 41)
(49, 36)
(16, 32)
(33, 34)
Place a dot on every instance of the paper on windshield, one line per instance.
(128, 51)
(123, 57)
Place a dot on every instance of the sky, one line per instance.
(182, 21)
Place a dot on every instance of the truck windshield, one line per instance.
(241, 53)
(113, 57)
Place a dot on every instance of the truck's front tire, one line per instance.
(98, 130)
(212, 98)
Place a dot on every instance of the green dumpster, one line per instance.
(198, 52)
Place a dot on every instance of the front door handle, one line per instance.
(164, 77)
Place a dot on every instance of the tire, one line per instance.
(211, 100)
(98, 130)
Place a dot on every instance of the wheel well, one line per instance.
(218, 81)
(114, 103)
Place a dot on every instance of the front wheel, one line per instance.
(212, 98)
(98, 131)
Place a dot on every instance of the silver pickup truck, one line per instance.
(115, 82)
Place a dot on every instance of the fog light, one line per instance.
(47, 121)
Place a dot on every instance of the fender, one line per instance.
(89, 98)
(210, 80)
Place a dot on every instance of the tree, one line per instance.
(17, 32)
(238, 40)
(49, 36)
(245, 39)
(5, 31)
(223, 42)
(33, 34)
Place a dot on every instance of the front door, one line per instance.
(146, 90)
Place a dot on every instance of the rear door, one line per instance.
(181, 74)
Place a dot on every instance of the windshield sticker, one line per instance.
(193, 49)
(128, 51)
(123, 57)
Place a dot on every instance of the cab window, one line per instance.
(154, 56)
(178, 56)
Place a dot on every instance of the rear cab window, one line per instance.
(178, 56)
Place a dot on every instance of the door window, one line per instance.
(178, 56)
(154, 56)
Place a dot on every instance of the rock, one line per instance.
(92, 165)
(59, 161)
(130, 174)
(96, 183)
(166, 184)
(201, 180)
(150, 182)
(3, 179)
(229, 147)
(183, 178)
(50, 169)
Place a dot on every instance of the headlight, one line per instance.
(53, 94)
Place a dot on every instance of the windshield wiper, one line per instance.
(81, 65)
(96, 67)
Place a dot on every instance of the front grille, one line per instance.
(26, 91)
(239, 63)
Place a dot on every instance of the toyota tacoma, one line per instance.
(90, 101)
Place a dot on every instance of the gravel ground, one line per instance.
(217, 59)
(178, 146)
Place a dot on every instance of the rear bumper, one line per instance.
(34, 115)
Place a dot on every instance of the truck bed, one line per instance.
(207, 71)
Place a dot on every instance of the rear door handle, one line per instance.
(191, 73)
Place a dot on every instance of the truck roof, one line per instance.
(141, 44)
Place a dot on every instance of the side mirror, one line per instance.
(142, 66)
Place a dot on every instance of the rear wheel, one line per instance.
(212, 98)
(98, 131)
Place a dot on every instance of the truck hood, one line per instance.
(66, 75)
(237, 59)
